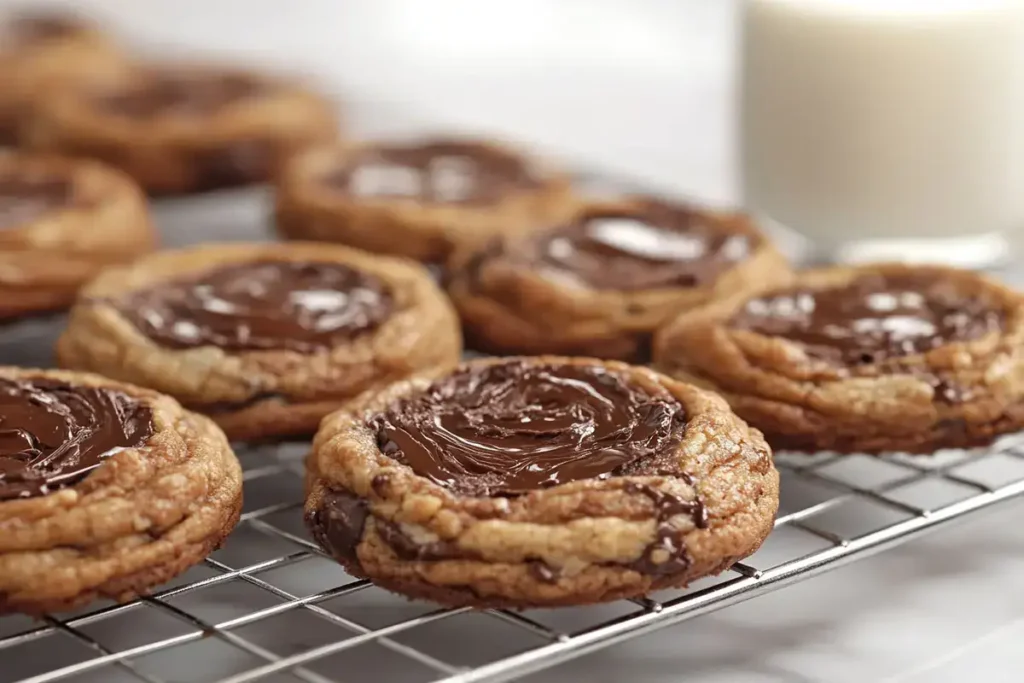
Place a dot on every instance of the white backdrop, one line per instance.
(641, 85)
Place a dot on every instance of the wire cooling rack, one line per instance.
(269, 607)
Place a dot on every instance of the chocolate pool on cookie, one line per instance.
(421, 199)
(600, 283)
(186, 128)
(539, 481)
(267, 338)
(872, 359)
(106, 490)
(61, 222)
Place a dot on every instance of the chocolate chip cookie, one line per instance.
(44, 51)
(540, 481)
(106, 490)
(872, 359)
(264, 338)
(178, 129)
(600, 283)
(418, 199)
(61, 222)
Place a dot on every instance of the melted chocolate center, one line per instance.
(873, 318)
(654, 246)
(508, 428)
(182, 94)
(53, 434)
(300, 306)
(23, 200)
(441, 172)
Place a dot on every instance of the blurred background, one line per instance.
(640, 87)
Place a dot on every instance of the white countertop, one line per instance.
(642, 87)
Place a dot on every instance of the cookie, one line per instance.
(106, 490)
(43, 51)
(61, 222)
(873, 359)
(420, 199)
(186, 128)
(600, 283)
(533, 482)
(264, 338)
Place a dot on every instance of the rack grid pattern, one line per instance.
(269, 607)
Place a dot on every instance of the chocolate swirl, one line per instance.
(190, 94)
(53, 434)
(437, 172)
(873, 318)
(25, 199)
(508, 428)
(298, 306)
(649, 246)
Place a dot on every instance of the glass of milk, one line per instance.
(886, 129)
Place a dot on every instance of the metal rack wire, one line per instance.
(269, 607)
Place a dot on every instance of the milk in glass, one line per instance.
(886, 128)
